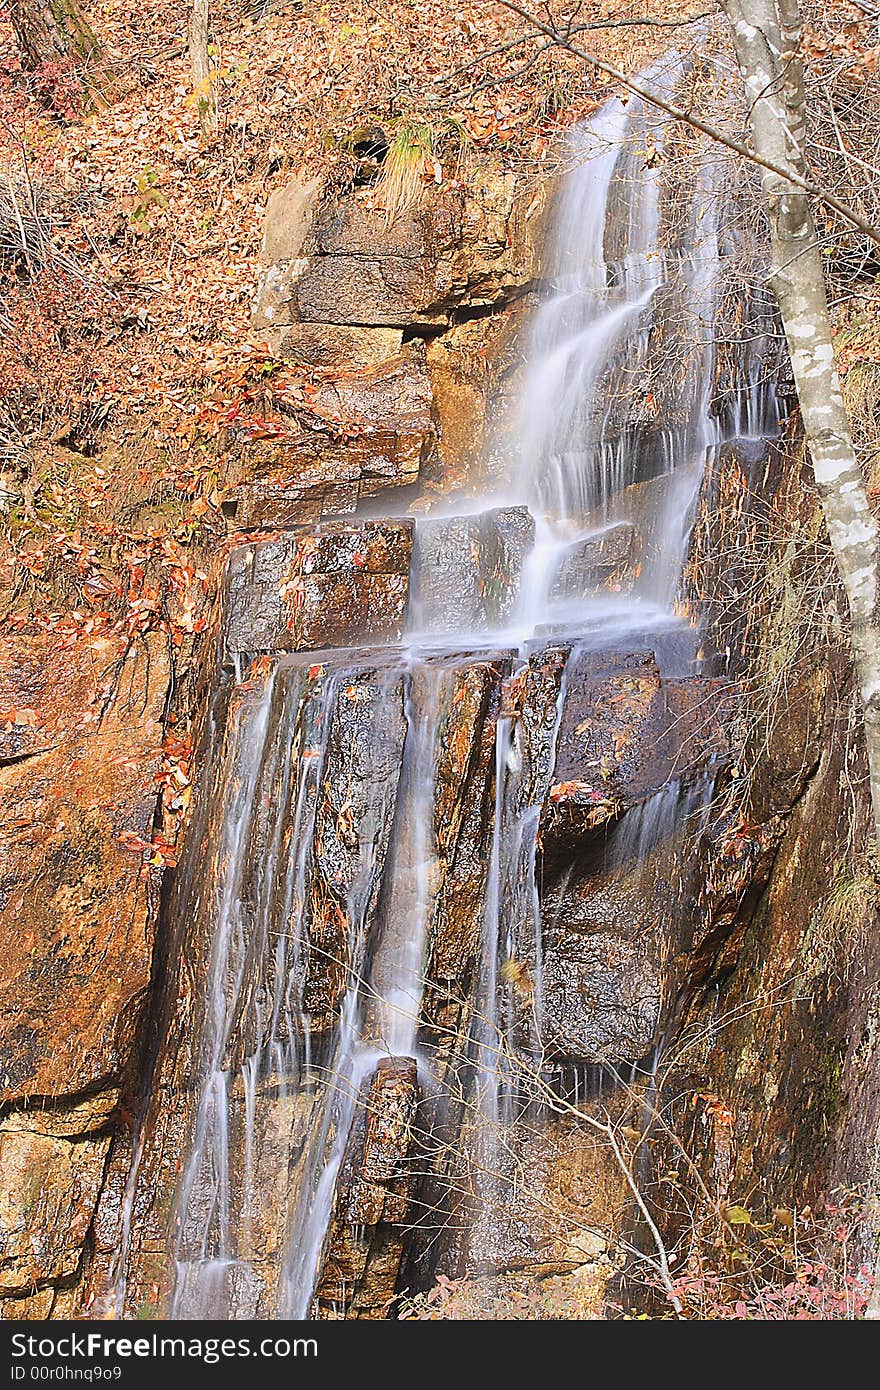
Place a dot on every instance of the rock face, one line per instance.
(607, 560)
(354, 267)
(273, 917)
(51, 1170)
(466, 740)
(351, 296)
(81, 754)
(381, 432)
(584, 794)
(351, 833)
(784, 1025)
(367, 1231)
(626, 733)
(468, 569)
(612, 761)
(601, 998)
(80, 801)
(336, 586)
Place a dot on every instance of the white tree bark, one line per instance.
(766, 36)
(203, 78)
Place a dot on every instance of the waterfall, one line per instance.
(316, 884)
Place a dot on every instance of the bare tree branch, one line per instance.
(678, 113)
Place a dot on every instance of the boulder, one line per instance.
(289, 213)
(468, 568)
(340, 585)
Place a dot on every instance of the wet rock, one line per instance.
(468, 568)
(76, 911)
(636, 757)
(606, 560)
(653, 505)
(49, 1188)
(738, 859)
(531, 698)
(550, 1201)
(464, 800)
(611, 727)
(343, 584)
(352, 831)
(771, 1027)
(463, 825)
(374, 430)
(274, 901)
(624, 734)
(366, 1234)
(601, 998)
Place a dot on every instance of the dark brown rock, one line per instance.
(343, 584)
(463, 813)
(366, 1234)
(352, 830)
(601, 998)
(624, 734)
(604, 561)
(468, 568)
(376, 430)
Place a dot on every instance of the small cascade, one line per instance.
(448, 819)
(596, 307)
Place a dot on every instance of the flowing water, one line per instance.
(328, 770)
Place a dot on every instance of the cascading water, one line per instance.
(309, 918)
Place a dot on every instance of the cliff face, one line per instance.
(763, 997)
(775, 1078)
(81, 763)
(397, 323)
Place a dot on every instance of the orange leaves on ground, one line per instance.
(18, 718)
(565, 791)
(156, 853)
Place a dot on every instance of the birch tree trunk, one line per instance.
(203, 83)
(766, 37)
